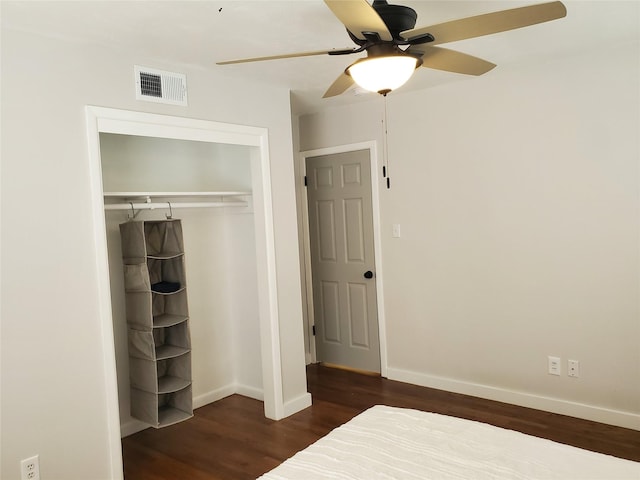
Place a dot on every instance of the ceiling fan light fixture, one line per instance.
(383, 73)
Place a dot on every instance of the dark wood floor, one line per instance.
(231, 439)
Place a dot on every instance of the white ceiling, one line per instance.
(201, 33)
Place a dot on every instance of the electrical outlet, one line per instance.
(573, 368)
(554, 365)
(30, 468)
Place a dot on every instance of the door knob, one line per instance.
(368, 274)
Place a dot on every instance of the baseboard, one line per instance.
(548, 404)
(297, 404)
(213, 396)
(247, 391)
(290, 407)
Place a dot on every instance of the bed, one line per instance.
(397, 443)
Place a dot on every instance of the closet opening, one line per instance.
(214, 178)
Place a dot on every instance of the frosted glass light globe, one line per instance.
(383, 74)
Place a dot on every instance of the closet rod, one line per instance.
(165, 205)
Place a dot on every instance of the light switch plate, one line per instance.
(555, 367)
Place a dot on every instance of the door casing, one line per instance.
(377, 244)
(108, 120)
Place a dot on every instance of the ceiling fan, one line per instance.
(395, 49)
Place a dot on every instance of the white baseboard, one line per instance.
(251, 392)
(290, 407)
(548, 404)
(213, 396)
(297, 404)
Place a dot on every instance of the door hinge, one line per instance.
(305, 180)
(313, 330)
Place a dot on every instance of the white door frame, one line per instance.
(126, 122)
(377, 243)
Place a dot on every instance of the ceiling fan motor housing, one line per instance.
(397, 18)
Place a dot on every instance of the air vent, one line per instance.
(161, 87)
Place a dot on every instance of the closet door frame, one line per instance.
(108, 120)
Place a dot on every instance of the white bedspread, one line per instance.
(395, 443)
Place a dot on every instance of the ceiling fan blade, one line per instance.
(451, 61)
(341, 84)
(358, 16)
(489, 23)
(277, 57)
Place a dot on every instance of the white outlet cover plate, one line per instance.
(30, 468)
(573, 368)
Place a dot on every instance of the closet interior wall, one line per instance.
(220, 259)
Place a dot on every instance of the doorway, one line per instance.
(112, 121)
(342, 264)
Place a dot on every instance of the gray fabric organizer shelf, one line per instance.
(158, 321)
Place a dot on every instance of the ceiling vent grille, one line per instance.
(161, 87)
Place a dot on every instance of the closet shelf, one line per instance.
(151, 200)
(168, 384)
(168, 320)
(165, 352)
(170, 415)
(176, 194)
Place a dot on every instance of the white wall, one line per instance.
(518, 198)
(53, 368)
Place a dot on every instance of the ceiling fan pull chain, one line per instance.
(385, 145)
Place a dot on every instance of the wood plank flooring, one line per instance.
(231, 439)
